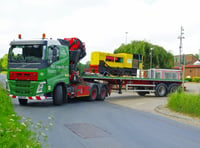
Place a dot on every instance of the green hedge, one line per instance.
(188, 79)
(185, 103)
(14, 133)
(3, 72)
(196, 79)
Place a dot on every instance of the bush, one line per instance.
(185, 103)
(188, 79)
(3, 72)
(12, 132)
(196, 79)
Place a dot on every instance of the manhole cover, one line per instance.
(86, 130)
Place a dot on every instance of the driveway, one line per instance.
(150, 103)
(132, 100)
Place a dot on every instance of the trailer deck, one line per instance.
(143, 86)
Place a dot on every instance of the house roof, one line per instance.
(192, 66)
(187, 66)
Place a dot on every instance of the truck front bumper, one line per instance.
(31, 98)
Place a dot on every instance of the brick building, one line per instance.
(192, 71)
(190, 59)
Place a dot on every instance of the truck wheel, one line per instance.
(102, 94)
(58, 95)
(65, 96)
(173, 88)
(161, 90)
(140, 93)
(23, 101)
(93, 93)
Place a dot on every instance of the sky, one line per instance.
(102, 24)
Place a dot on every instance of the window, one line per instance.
(158, 75)
(120, 60)
(27, 53)
(53, 54)
(169, 75)
(50, 55)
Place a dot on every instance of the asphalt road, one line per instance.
(3, 80)
(192, 88)
(98, 124)
(83, 124)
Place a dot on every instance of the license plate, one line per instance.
(22, 97)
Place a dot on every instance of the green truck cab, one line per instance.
(36, 67)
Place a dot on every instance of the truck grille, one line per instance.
(22, 84)
(23, 88)
(22, 92)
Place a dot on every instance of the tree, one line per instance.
(197, 56)
(82, 67)
(4, 63)
(0, 65)
(160, 57)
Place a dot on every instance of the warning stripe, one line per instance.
(30, 98)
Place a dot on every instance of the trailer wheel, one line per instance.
(161, 90)
(93, 93)
(173, 88)
(142, 93)
(58, 95)
(23, 101)
(103, 92)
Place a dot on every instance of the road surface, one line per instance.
(83, 124)
(3, 80)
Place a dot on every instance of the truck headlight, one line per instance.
(40, 87)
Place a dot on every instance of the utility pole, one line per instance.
(151, 49)
(126, 33)
(181, 37)
(199, 54)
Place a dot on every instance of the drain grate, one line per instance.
(85, 130)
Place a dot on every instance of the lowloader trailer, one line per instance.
(45, 69)
(142, 86)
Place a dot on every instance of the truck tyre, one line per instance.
(161, 90)
(102, 93)
(93, 93)
(23, 101)
(65, 98)
(140, 93)
(58, 95)
(173, 88)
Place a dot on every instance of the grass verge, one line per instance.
(185, 103)
(3, 72)
(14, 133)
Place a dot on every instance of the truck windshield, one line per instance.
(27, 56)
